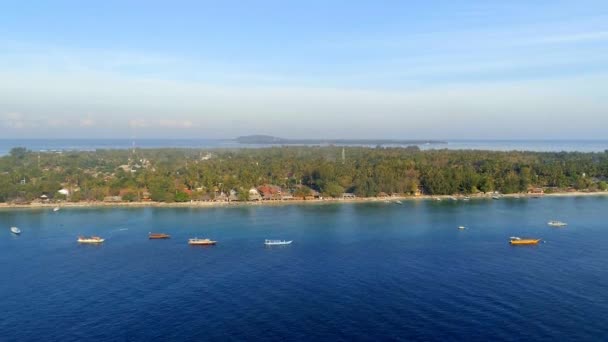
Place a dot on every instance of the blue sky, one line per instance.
(394, 69)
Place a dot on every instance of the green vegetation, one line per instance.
(179, 175)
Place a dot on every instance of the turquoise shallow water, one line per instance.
(354, 272)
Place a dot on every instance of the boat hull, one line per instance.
(88, 241)
(283, 243)
(201, 242)
(526, 242)
(158, 236)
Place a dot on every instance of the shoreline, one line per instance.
(200, 204)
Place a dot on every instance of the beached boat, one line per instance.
(515, 240)
(91, 239)
(201, 242)
(15, 230)
(158, 236)
(557, 223)
(277, 242)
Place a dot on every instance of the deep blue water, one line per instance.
(354, 272)
(92, 144)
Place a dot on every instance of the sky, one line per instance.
(304, 69)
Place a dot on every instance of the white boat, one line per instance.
(557, 223)
(15, 230)
(56, 209)
(466, 198)
(462, 227)
(92, 239)
(398, 202)
(277, 242)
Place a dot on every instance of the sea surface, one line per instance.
(93, 144)
(375, 271)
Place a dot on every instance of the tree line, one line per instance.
(170, 175)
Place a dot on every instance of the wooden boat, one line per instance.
(201, 242)
(519, 241)
(557, 223)
(91, 239)
(15, 230)
(154, 236)
(277, 242)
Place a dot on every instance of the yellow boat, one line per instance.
(519, 241)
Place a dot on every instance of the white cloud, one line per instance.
(14, 120)
(88, 122)
(572, 37)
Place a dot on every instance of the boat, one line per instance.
(15, 230)
(91, 239)
(201, 242)
(466, 198)
(153, 236)
(277, 242)
(557, 223)
(515, 240)
(495, 197)
(437, 199)
(398, 202)
(56, 209)
(462, 227)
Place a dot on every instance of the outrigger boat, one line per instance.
(277, 242)
(92, 239)
(201, 242)
(514, 240)
(557, 223)
(15, 230)
(154, 236)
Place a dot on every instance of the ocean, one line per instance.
(92, 144)
(357, 271)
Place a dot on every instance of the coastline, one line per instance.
(201, 204)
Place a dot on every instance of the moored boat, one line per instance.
(15, 230)
(557, 223)
(154, 236)
(514, 240)
(277, 242)
(90, 239)
(201, 242)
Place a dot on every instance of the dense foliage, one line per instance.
(184, 174)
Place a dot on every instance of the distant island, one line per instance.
(271, 140)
